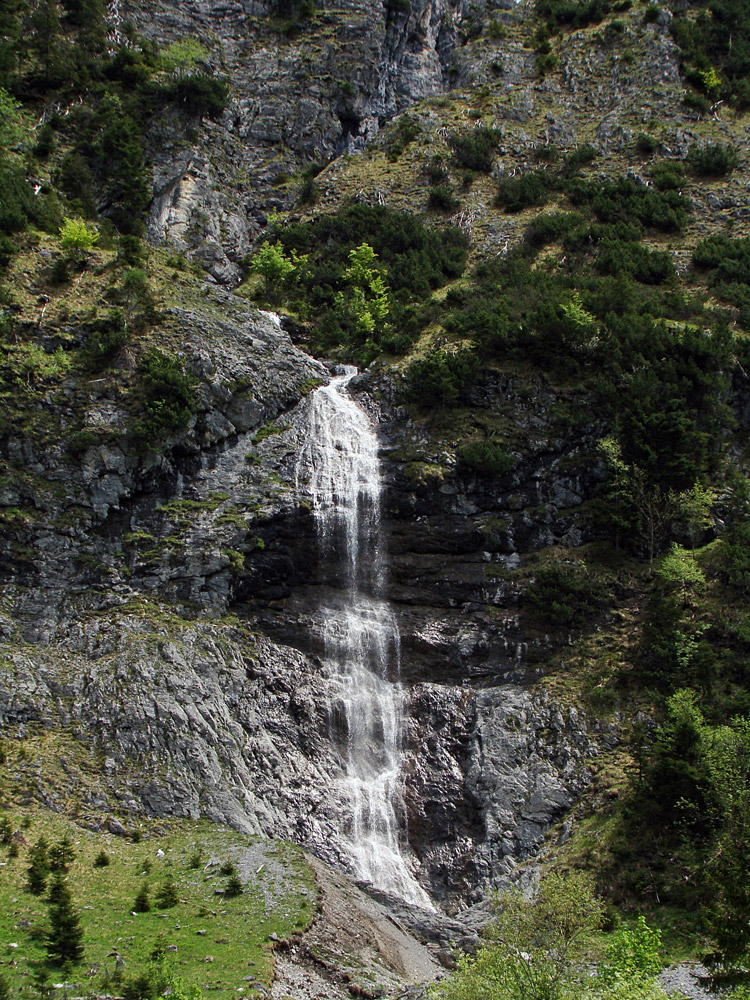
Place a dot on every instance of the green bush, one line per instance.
(651, 267)
(714, 160)
(441, 378)
(668, 175)
(168, 396)
(106, 338)
(531, 188)
(550, 227)
(201, 94)
(566, 594)
(486, 458)
(646, 144)
(442, 199)
(579, 157)
(475, 148)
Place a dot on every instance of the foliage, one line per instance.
(713, 160)
(77, 238)
(572, 13)
(566, 594)
(533, 948)
(142, 903)
(441, 378)
(364, 305)
(38, 870)
(167, 896)
(442, 199)
(107, 337)
(275, 266)
(530, 188)
(200, 94)
(168, 395)
(486, 458)
(65, 937)
(181, 57)
(413, 259)
(715, 45)
(632, 953)
(679, 571)
(475, 148)
(61, 855)
(102, 859)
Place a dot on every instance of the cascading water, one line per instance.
(339, 466)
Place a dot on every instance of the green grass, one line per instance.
(218, 944)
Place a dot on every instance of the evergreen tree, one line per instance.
(38, 870)
(142, 902)
(61, 855)
(11, 41)
(46, 42)
(65, 937)
(167, 895)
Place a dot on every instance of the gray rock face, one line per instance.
(298, 97)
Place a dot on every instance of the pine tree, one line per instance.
(38, 870)
(45, 41)
(65, 937)
(142, 902)
(61, 855)
(168, 895)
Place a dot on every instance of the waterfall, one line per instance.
(338, 466)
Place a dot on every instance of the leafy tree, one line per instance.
(168, 397)
(632, 953)
(679, 571)
(442, 377)
(275, 266)
(630, 496)
(365, 304)
(534, 947)
(38, 870)
(726, 876)
(78, 239)
(65, 937)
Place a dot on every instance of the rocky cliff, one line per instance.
(158, 601)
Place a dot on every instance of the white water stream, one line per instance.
(338, 466)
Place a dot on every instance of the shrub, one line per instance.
(102, 860)
(565, 594)
(579, 157)
(646, 144)
(668, 175)
(234, 887)
(715, 160)
(475, 148)
(486, 458)
(442, 199)
(549, 227)
(516, 193)
(168, 397)
(442, 377)
(618, 257)
(201, 94)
